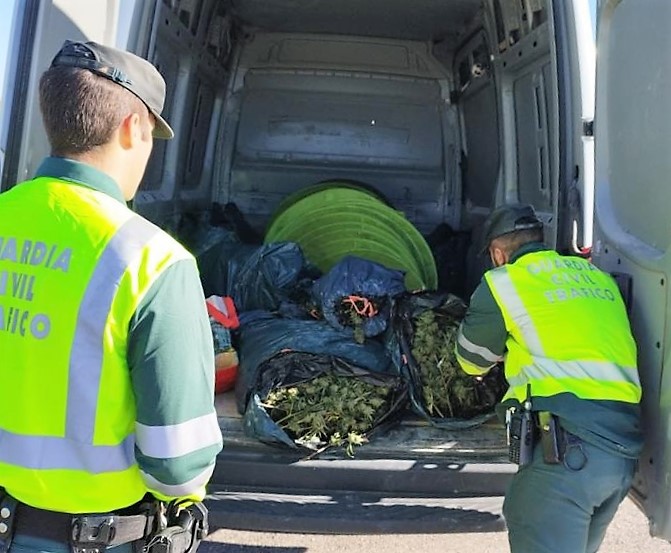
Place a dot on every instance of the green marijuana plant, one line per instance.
(328, 410)
(446, 389)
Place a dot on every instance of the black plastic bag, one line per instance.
(406, 310)
(263, 335)
(256, 277)
(230, 217)
(356, 277)
(276, 352)
(293, 368)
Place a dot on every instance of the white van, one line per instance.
(447, 108)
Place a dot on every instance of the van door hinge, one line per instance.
(588, 128)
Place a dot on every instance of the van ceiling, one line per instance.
(405, 19)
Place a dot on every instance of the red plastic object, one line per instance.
(224, 379)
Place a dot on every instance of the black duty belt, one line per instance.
(84, 531)
(150, 526)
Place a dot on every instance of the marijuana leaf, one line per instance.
(447, 391)
(322, 410)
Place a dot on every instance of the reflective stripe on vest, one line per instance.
(483, 352)
(598, 362)
(75, 451)
(28, 452)
(89, 465)
(86, 357)
(595, 370)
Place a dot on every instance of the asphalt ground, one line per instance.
(628, 533)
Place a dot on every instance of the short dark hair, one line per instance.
(513, 241)
(81, 110)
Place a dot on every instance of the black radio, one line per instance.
(520, 432)
(520, 436)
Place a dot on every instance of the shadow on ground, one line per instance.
(219, 547)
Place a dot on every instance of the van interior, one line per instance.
(443, 107)
(446, 108)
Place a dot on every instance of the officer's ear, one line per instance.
(498, 255)
(133, 130)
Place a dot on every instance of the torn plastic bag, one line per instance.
(263, 335)
(402, 338)
(358, 286)
(290, 369)
(277, 352)
(256, 277)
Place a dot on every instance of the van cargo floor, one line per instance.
(411, 457)
(411, 438)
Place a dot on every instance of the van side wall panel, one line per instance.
(191, 46)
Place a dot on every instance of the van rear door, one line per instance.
(575, 55)
(632, 237)
(40, 28)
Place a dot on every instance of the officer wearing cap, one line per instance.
(560, 327)
(107, 359)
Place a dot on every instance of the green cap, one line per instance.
(509, 218)
(125, 69)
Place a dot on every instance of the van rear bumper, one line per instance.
(391, 486)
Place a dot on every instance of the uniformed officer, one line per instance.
(560, 326)
(107, 362)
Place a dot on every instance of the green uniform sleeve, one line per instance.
(481, 342)
(171, 359)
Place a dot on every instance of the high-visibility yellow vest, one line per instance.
(74, 265)
(568, 329)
